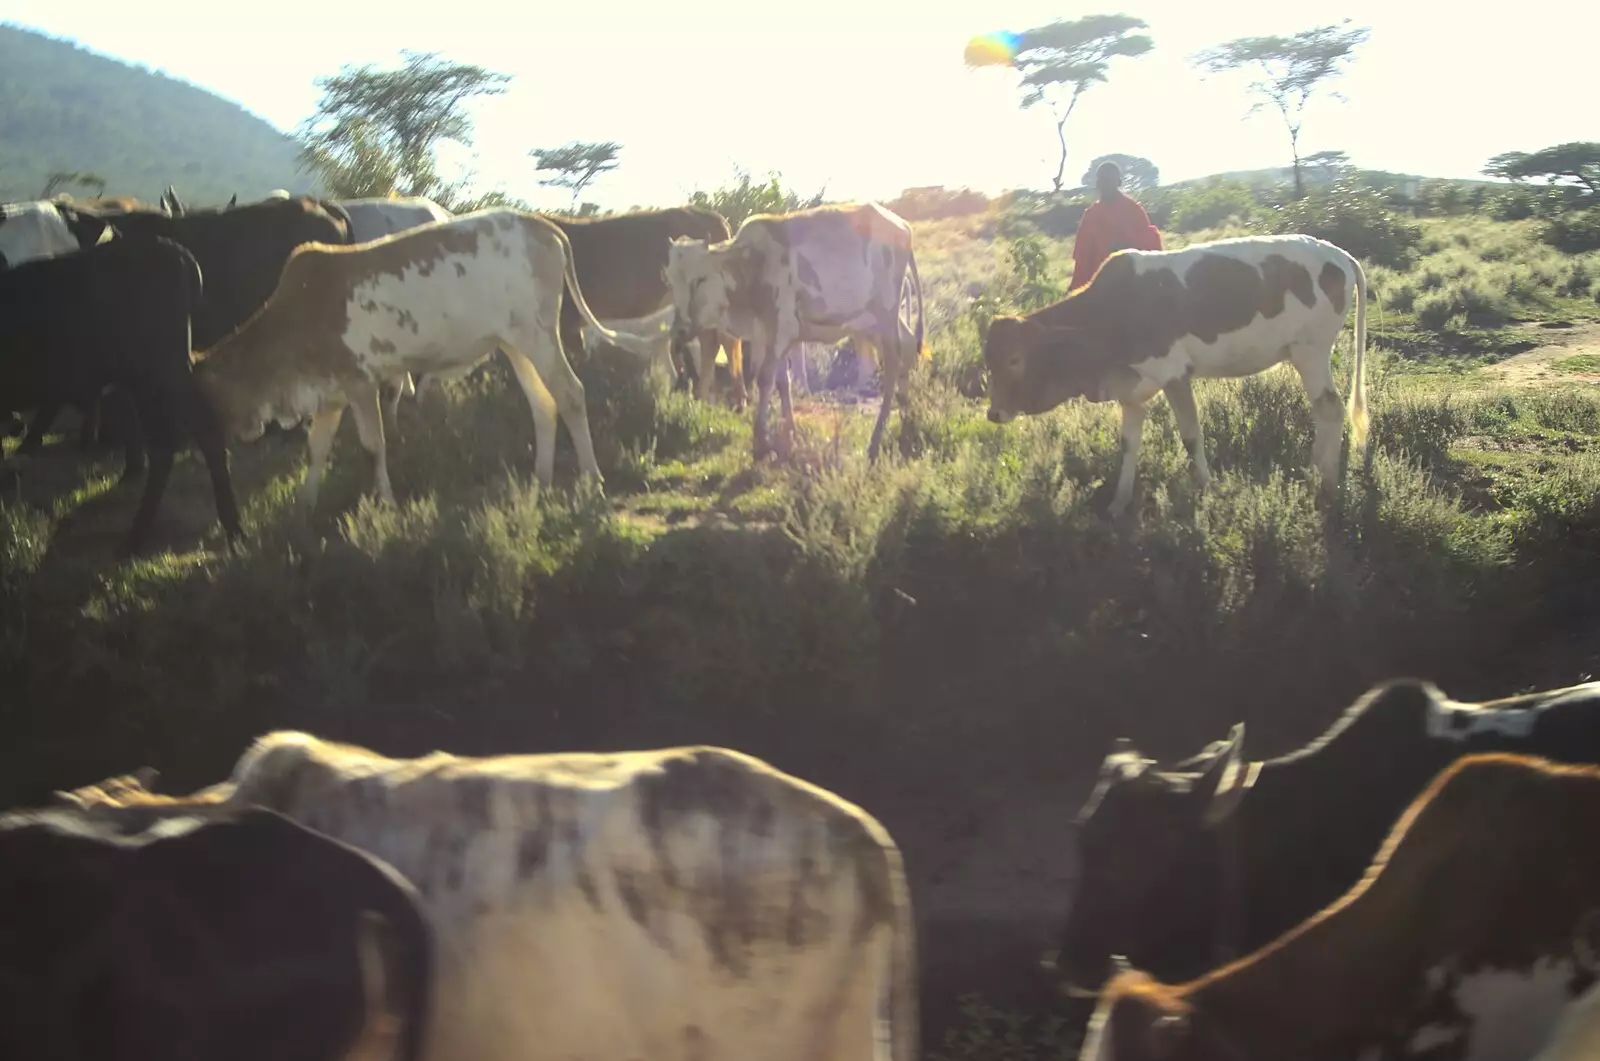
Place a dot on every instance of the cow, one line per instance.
(236, 933)
(1473, 930)
(33, 230)
(817, 275)
(622, 262)
(1152, 321)
(1185, 866)
(115, 314)
(437, 299)
(673, 904)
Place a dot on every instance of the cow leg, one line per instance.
(552, 386)
(319, 441)
(368, 411)
(1327, 413)
(43, 417)
(735, 348)
(864, 347)
(706, 370)
(764, 378)
(1180, 395)
(160, 412)
(781, 379)
(1132, 429)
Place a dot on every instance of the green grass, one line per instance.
(1586, 363)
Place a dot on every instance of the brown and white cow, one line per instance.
(434, 300)
(682, 904)
(1473, 931)
(1152, 321)
(817, 275)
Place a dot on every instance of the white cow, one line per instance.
(436, 300)
(818, 275)
(685, 904)
(38, 229)
(656, 327)
(1152, 321)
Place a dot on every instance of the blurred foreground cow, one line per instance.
(622, 262)
(677, 905)
(1475, 927)
(116, 314)
(1152, 321)
(1189, 865)
(190, 937)
(818, 275)
(434, 300)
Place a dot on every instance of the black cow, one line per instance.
(113, 315)
(190, 937)
(1187, 866)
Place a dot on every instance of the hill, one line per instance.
(66, 108)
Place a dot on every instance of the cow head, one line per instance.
(1035, 367)
(87, 229)
(1147, 860)
(699, 290)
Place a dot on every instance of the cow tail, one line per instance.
(625, 340)
(1357, 405)
(394, 898)
(916, 280)
(197, 284)
(904, 1018)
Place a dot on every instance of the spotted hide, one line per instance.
(1475, 927)
(686, 904)
(33, 230)
(1189, 864)
(818, 275)
(1152, 321)
(435, 300)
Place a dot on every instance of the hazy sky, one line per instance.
(870, 98)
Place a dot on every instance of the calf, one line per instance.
(1153, 321)
(116, 314)
(817, 275)
(237, 934)
(675, 904)
(621, 262)
(436, 300)
(1475, 927)
(1191, 864)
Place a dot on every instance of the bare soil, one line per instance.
(1557, 341)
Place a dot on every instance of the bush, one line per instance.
(1574, 233)
(1353, 217)
(1514, 205)
(936, 202)
(1212, 204)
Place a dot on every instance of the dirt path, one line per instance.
(1557, 341)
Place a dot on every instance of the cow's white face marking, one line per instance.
(1508, 1012)
(1450, 720)
(699, 295)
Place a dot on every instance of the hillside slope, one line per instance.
(65, 108)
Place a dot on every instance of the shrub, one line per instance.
(936, 202)
(1514, 205)
(1353, 217)
(1574, 233)
(1211, 204)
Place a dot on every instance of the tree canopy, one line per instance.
(1577, 162)
(1290, 70)
(576, 164)
(375, 131)
(1137, 172)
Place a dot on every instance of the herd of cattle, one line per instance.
(1421, 882)
(219, 323)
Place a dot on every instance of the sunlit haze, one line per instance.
(869, 99)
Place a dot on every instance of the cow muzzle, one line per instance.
(998, 416)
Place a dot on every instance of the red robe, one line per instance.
(1110, 225)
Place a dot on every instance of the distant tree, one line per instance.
(1329, 164)
(375, 131)
(61, 178)
(1137, 173)
(1578, 161)
(576, 164)
(1292, 68)
(738, 201)
(1063, 59)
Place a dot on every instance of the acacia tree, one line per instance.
(1059, 62)
(1577, 162)
(1136, 172)
(375, 131)
(576, 164)
(1291, 70)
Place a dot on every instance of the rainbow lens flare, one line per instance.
(992, 49)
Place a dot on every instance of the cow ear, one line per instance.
(1225, 782)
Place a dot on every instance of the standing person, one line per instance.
(1117, 222)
